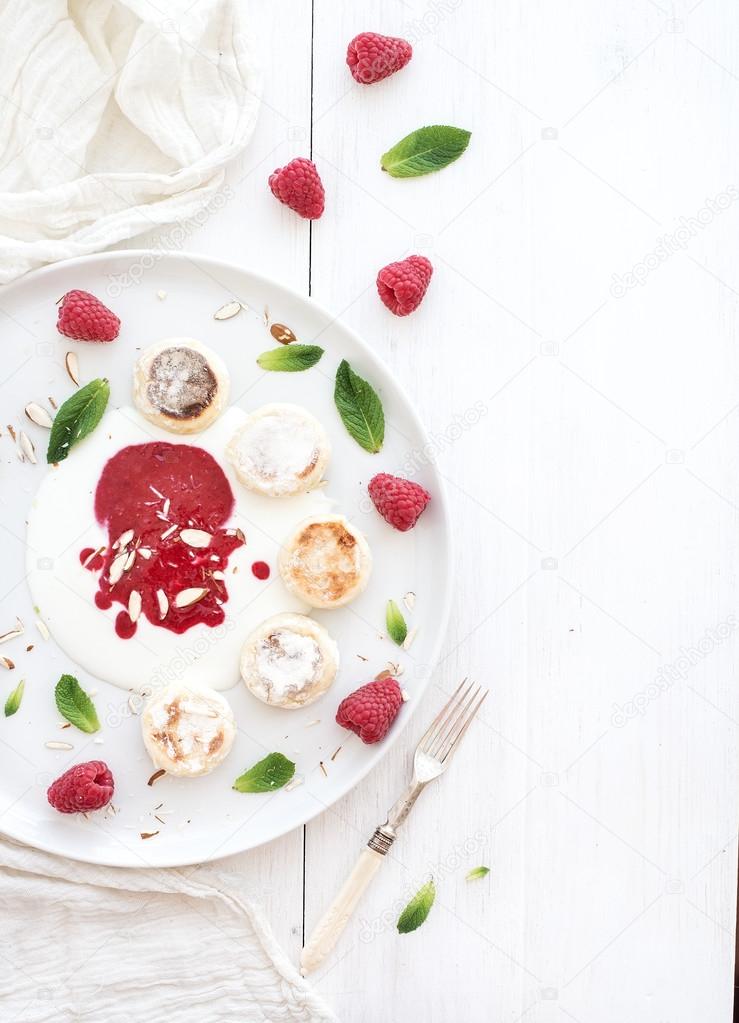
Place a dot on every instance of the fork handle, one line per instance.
(336, 917)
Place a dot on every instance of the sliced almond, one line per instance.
(91, 557)
(145, 552)
(227, 311)
(195, 537)
(27, 447)
(410, 600)
(165, 508)
(59, 745)
(156, 776)
(168, 532)
(53, 403)
(134, 605)
(13, 633)
(7, 663)
(186, 598)
(117, 567)
(123, 540)
(38, 415)
(409, 639)
(161, 295)
(218, 574)
(163, 603)
(42, 628)
(282, 334)
(72, 365)
(131, 557)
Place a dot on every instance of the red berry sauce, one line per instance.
(260, 569)
(149, 488)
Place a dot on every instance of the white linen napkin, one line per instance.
(116, 116)
(117, 945)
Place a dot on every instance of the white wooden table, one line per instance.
(576, 364)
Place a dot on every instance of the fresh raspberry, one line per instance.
(84, 318)
(399, 501)
(372, 57)
(403, 285)
(370, 710)
(82, 788)
(298, 186)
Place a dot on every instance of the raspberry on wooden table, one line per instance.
(370, 710)
(299, 186)
(372, 57)
(402, 285)
(82, 788)
(82, 317)
(399, 501)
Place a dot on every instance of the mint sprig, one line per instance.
(75, 705)
(477, 872)
(13, 702)
(266, 775)
(360, 408)
(425, 150)
(290, 358)
(395, 622)
(417, 909)
(77, 417)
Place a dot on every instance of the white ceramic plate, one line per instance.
(204, 818)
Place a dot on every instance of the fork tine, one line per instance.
(426, 739)
(456, 738)
(458, 713)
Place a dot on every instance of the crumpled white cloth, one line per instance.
(116, 116)
(86, 944)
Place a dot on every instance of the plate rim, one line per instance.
(377, 754)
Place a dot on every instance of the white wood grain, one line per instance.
(588, 434)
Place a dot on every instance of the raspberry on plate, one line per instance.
(370, 710)
(299, 186)
(399, 501)
(82, 317)
(372, 57)
(82, 788)
(402, 285)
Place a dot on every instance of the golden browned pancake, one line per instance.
(326, 562)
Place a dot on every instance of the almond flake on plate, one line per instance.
(13, 633)
(41, 626)
(409, 639)
(190, 596)
(72, 365)
(27, 447)
(38, 415)
(195, 537)
(409, 600)
(227, 311)
(161, 295)
(59, 745)
(134, 605)
(117, 568)
(163, 603)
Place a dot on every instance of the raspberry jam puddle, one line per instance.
(261, 569)
(165, 507)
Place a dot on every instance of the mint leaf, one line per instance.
(13, 702)
(395, 623)
(477, 872)
(417, 909)
(360, 408)
(75, 705)
(290, 358)
(267, 775)
(425, 150)
(78, 416)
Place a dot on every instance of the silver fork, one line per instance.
(431, 758)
